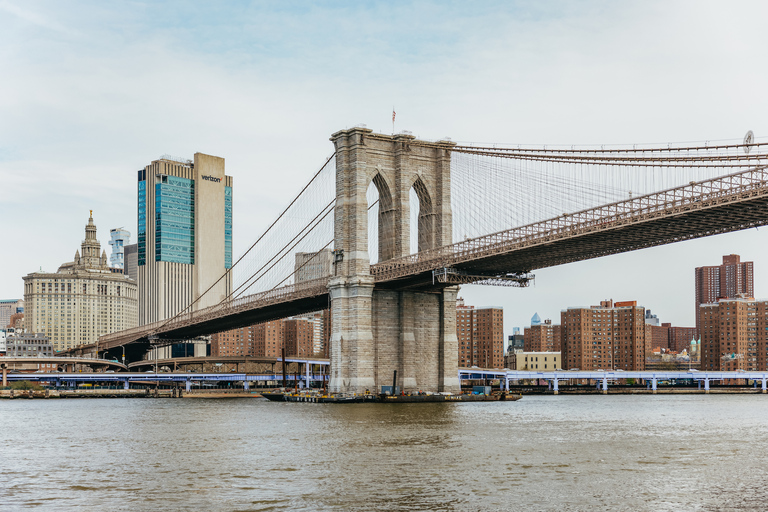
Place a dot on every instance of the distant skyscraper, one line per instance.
(535, 319)
(184, 236)
(651, 319)
(8, 308)
(118, 239)
(131, 268)
(726, 281)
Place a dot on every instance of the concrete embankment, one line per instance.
(85, 393)
(124, 393)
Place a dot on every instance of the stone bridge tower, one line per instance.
(379, 331)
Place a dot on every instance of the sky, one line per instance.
(92, 91)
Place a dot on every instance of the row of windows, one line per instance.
(141, 255)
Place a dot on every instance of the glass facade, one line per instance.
(228, 227)
(175, 220)
(142, 236)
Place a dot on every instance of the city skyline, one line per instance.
(91, 89)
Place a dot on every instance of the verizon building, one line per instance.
(184, 235)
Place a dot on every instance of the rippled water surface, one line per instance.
(540, 453)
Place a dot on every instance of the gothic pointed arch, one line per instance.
(426, 217)
(387, 221)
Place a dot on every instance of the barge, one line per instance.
(320, 398)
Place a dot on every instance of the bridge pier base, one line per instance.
(126, 385)
(376, 333)
(246, 386)
(352, 347)
(555, 387)
(188, 386)
(605, 386)
(5, 376)
(706, 386)
(654, 381)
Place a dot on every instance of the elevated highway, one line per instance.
(604, 377)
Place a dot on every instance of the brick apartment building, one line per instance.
(298, 337)
(236, 342)
(608, 336)
(734, 335)
(729, 280)
(544, 337)
(671, 338)
(304, 336)
(480, 332)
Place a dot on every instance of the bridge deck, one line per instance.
(729, 203)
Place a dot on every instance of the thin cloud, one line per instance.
(35, 18)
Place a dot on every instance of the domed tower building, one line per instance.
(82, 300)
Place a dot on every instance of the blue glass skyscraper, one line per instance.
(184, 235)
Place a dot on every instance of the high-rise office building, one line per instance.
(131, 258)
(8, 308)
(184, 236)
(118, 239)
(82, 300)
(726, 281)
(608, 336)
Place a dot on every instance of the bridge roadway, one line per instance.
(733, 202)
(12, 363)
(126, 378)
(151, 376)
(653, 377)
(177, 362)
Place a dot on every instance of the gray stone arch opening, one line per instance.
(425, 227)
(387, 220)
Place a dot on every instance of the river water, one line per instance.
(565, 453)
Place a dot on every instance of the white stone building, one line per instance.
(82, 300)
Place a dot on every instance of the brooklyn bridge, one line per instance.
(405, 221)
